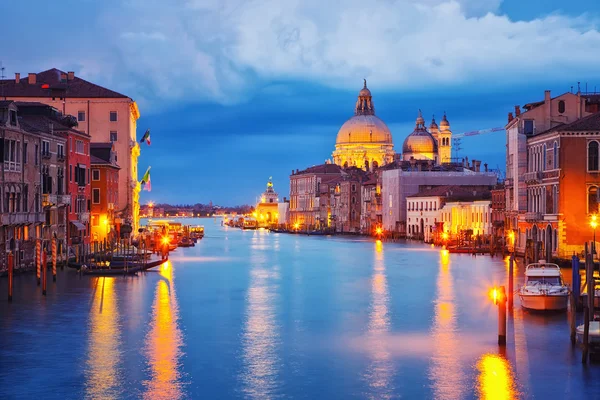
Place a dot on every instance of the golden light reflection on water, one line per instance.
(445, 372)
(381, 369)
(164, 341)
(102, 377)
(261, 335)
(495, 380)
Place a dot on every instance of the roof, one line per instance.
(589, 123)
(75, 87)
(456, 192)
(321, 169)
(41, 124)
(101, 145)
(97, 161)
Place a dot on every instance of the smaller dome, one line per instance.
(420, 120)
(364, 92)
(433, 125)
(445, 122)
(420, 141)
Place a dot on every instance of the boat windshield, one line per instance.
(543, 280)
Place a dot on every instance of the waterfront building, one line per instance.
(406, 178)
(452, 209)
(283, 212)
(370, 216)
(538, 117)
(105, 191)
(562, 186)
(498, 210)
(305, 193)
(103, 114)
(267, 210)
(346, 203)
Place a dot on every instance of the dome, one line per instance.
(444, 123)
(433, 125)
(420, 141)
(364, 129)
(364, 92)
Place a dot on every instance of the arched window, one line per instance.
(544, 157)
(561, 106)
(593, 200)
(555, 155)
(593, 156)
(555, 199)
(375, 164)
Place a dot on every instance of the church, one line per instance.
(365, 141)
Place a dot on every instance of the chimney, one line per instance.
(510, 117)
(70, 75)
(517, 111)
(31, 78)
(17, 77)
(63, 77)
(486, 167)
(547, 96)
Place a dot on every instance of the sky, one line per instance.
(237, 91)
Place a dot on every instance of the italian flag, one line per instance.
(146, 181)
(146, 137)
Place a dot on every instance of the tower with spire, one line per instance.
(444, 141)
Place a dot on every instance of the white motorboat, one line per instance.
(594, 333)
(544, 289)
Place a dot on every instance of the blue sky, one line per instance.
(236, 91)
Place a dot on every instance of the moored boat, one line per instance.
(544, 289)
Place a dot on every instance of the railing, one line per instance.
(21, 218)
(48, 200)
(64, 199)
(533, 216)
(12, 166)
(46, 154)
(532, 177)
(84, 217)
(60, 157)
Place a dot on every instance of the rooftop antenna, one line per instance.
(456, 146)
(2, 78)
(578, 87)
(571, 88)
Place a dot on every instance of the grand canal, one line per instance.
(251, 314)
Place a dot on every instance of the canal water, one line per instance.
(252, 314)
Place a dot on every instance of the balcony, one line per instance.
(532, 177)
(64, 199)
(60, 157)
(84, 217)
(533, 216)
(46, 154)
(49, 200)
(21, 218)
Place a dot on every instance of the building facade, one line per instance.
(103, 114)
(104, 191)
(267, 210)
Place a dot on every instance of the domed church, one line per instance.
(364, 141)
(434, 144)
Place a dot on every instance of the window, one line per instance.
(71, 144)
(70, 173)
(25, 198)
(79, 148)
(561, 107)
(81, 116)
(45, 148)
(593, 200)
(80, 175)
(13, 118)
(12, 155)
(593, 156)
(528, 127)
(95, 174)
(113, 136)
(555, 155)
(60, 178)
(353, 187)
(60, 150)
(544, 157)
(25, 153)
(37, 154)
(95, 196)
(113, 116)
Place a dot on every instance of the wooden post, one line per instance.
(77, 254)
(11, 261)
(589, 307)
(44, 272)
(511, 281)
(38, 260)
(501, 316)
(575, 279)
(573, 316)
(586, 333)
(54, 254)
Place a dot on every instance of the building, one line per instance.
(267, 210)
(370, 216)
(22, 215)
(403, 179)
(523, 156)
(103, 114)
(498, 210)
(452, 209)
(50, 125)
(305, 194)
(346, 203)
(105, 191)
(364, 141)
(562, 187)
(434, 145)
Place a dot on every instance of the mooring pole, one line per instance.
(11, 260)
(501, 316)
(511, 281)
(54, 255)
(573, 317)
(38, 260)
(575, 278)
(44, 272)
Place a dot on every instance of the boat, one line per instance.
(250, 223)
(544, 289)
(196, 232)
(593, 335)
(186, 242)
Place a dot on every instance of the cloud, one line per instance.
(227, 50)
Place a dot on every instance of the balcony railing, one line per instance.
(532, 177)
(46, 154)
(49, 200)
(533, 216)
(84, 217)
(64, 199)
(21, 218)
(60, 157)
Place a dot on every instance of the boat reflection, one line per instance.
(102, 377)
(445, 372)
(164, 341)
(261, 336)
(495, 380)
(380, 371)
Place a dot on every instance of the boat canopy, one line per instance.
(542, 269)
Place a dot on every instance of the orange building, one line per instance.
(105, 191)
(563, 186)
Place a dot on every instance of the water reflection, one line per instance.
(164, 341)
(102, 377)
(446, 374)
(495, 380)
(261, 334)
(380, 371)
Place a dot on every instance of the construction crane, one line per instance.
(475, 133)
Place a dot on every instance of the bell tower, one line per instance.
(444, 141)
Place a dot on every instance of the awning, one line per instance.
(78, 225)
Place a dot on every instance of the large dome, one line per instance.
(364, 129)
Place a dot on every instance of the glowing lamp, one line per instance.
(445, 235)
(165, 240)
(494, 295)
(296, 225)
(379, 231)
